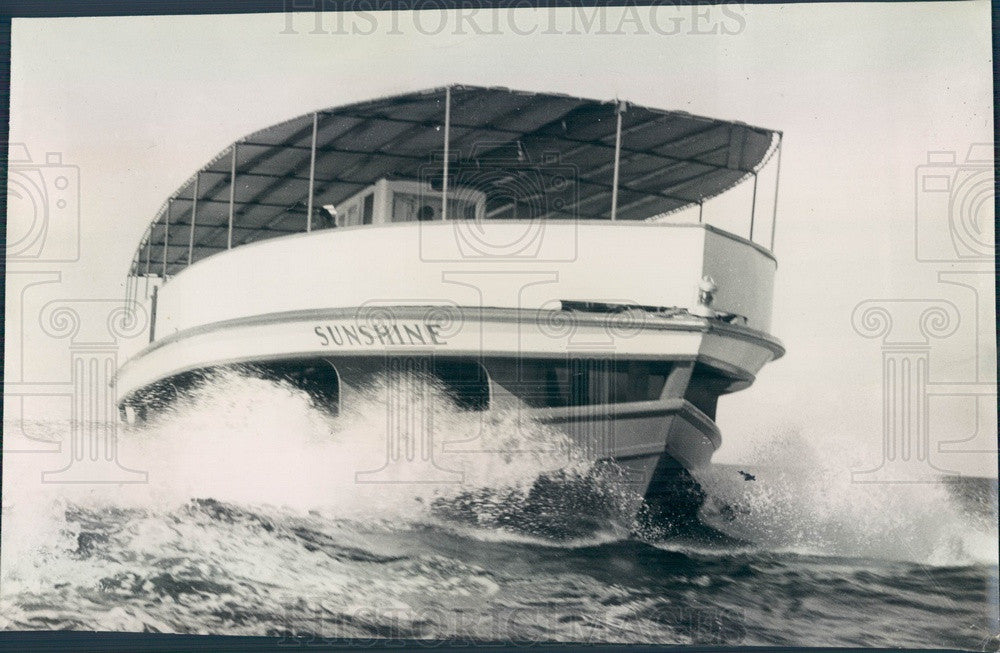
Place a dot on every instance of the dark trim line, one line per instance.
(497, 314)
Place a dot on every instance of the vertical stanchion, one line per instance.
(149, 249)
(232, 197)
(152, 313)
(136, 271)
(753, 206)
(132, 272)
(447, 153)
(619, 109)
(777, 181)
(312, 173)
(166, 237)
(194, 217)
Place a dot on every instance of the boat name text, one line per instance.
(388, 334)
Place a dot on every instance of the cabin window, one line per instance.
(412, 207)
(465, 382)
(405, 207)
(583, 382)
(351, 215)
(368, 210)
(315, 376)
(163, 395)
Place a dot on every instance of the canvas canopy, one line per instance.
(534, 155)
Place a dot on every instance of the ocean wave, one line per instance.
(259, 519)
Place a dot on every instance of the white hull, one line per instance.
(556, 255)
(650, 438)
(624, 297)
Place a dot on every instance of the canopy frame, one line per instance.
(636, 161)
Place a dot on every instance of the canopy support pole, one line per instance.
(194, 216)
(701, 209)
(753, 206)
(619, 109)
(777, 180)
(152, 314)
(447, 153)
(149, 248)
(128, 282)
(232, 198)
(134, 297)
(312, 173)
(166, 237)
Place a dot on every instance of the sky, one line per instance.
(862, 92)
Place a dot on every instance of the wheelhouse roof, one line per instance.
(563, 148)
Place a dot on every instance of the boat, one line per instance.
(600, 267)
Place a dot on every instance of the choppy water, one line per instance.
(253, 523)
